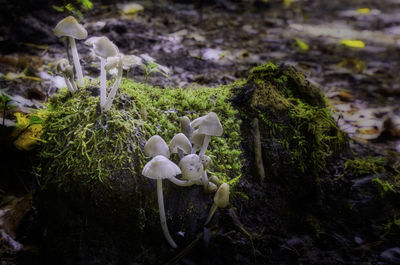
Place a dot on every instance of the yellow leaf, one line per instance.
(27, 134)
(302, 45)
(131, 8)
(22, 119)
(28, 139)
(363, 10)
(353, 43)
(287, 3)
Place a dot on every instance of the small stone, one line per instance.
(391, 255)
(358, 240)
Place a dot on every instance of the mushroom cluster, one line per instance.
(104, 49)
(192, 166)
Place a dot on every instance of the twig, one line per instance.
(257, 149)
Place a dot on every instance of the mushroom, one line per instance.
(156, 146)
(180, 144)
(185, 127)
(70, 28)
(197, 140)
(192, 168)
(209, 125)
(65, 70)
(160, 168)
(205, 161)
(120, 61)
(211, 187)
(103, 48)
(221, 200)
(214, 179)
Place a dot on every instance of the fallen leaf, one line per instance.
(353, 43)
(363, 10)
(301, 45)
(131, 8)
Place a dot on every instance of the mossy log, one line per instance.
(95, 197)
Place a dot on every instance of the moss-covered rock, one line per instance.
(91, 162)
(298, 134)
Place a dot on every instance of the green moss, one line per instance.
(295, 114)
(364, 166)
(384, 187)
(82, 145)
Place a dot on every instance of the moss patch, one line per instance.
(294, 114)
(82, 145)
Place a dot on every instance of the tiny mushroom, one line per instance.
(197, 140)
(211, 187)
(103, 48)
(221, 200)
(120, 61)
(214, 179)
(186, 128)
(192, 168)
(180, 144)
(65, 70)
(156, 146)
(70, 28)
(160, 168)
(205, 161)
(209, 125)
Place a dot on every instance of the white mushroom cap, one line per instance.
(185, 126)
(221, 198)
(156, 146)
(205, 160)
(71, 28)
(103, 47)
(208, 125)
(127, 61)
(63, 67)
(181, 141)
(197, 138)
(191, 167)
(160, 167)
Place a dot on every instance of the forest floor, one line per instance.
(349, 49)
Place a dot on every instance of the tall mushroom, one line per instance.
(103, 48)
(120, 61)
(160, 168)
(70, 28)
(221, 199)
(180, 144)
(209, 125)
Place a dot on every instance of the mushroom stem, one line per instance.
(163, 220)
(184, 183)
(194, 149)
(203, 150)
(103, 82)
(114, 89)
(75, 58)
(211, 214)
(70, 88)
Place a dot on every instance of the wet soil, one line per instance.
(344, 221)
